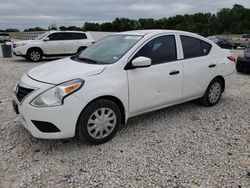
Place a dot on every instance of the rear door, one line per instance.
(161, 83)
(74, 41)
(55, 44)
(199, 66)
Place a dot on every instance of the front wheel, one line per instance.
(99, 122)
(34, 55)
(213, 93)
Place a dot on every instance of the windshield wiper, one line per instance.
(88, 60)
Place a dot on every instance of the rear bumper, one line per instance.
(229, 79)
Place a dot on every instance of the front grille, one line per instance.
(21, 92)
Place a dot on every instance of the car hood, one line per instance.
(24, 41)
(63, 70)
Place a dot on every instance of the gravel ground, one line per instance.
(181, 146)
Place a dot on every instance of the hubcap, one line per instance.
(101, 123)
(35, 56)
(214, 92)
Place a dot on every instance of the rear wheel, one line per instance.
(34, 55)
(213, 93)
(99, 122)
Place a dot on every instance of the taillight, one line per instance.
(232, 58)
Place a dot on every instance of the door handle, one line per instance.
(174, 72)
(212, 66)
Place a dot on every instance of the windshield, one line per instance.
(108, 50)
(39, 37)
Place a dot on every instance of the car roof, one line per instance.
(154, 31)
(58, 31)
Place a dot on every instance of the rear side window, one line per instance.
(246, 36)
(75, 36)
(159, 50)
(205, 47)
(193, 47)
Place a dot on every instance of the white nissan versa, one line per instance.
(92, 93)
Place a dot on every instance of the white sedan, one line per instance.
(123, 75)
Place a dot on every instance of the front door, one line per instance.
(161, 83)
(55, 44)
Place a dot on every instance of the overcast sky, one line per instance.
(30, 13)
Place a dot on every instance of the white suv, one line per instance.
(92, 93)
(53, 43)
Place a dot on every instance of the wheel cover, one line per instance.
(35, 56)
(101, 123)
(214, 92)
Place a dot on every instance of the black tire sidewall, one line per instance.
(82, 131)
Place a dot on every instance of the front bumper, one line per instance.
(19, 51)
(49, 122)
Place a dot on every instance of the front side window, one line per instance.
(159, 50)
(57, 36)
(193, 47)
(108, 50)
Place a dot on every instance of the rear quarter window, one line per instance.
(193, 47)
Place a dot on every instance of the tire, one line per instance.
(34, 55)
(213, 93)
(81, 49)
(89, 127)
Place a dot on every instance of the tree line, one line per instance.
(227, 20)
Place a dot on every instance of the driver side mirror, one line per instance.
(140, 62)
(46, 39)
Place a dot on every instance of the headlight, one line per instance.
(56, 95)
